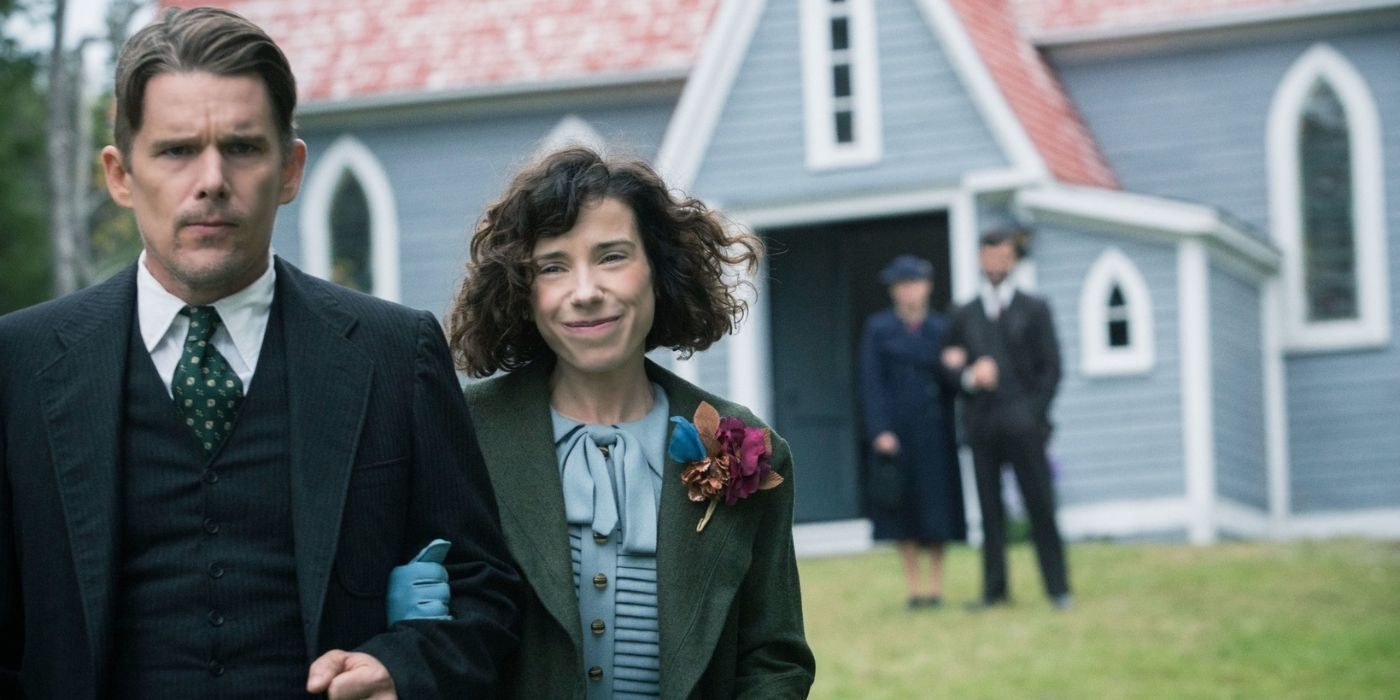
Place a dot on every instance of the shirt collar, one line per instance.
(656, 421)
(244, 313)
(997, 297)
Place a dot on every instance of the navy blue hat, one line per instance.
(905, 268)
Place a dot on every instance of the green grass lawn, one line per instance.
(1236, 620)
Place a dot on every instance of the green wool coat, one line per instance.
(729, 605)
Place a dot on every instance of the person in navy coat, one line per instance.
(907, 398)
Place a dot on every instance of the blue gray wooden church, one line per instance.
(1212, 195)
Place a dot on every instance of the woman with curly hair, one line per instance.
(652, 520)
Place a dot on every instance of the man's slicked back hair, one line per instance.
(201, 39)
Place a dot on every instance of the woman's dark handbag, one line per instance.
(885, 482)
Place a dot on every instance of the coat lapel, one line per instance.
(328, 385)
(514, 430)
(698, 573)
(82, 392)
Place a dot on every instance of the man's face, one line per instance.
(205, 176)
(997, 261)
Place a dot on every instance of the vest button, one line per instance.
(215, 569)
(211, 526)
(600, 581)
(600, 539)
(211, 476)
(215, 668)
(598, 626)
(595, 673)
(216, 619)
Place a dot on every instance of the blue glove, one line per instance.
(418, 590)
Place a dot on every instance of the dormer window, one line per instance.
(840, 83)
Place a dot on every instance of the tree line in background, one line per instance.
(58, 230)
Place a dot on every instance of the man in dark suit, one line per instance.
(210, 463)
(1004, 344)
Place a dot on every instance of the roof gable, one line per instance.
(1016, 94)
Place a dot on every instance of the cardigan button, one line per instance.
(595, 673)
(598, 627)
(600, 581)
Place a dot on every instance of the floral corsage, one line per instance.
(724, 458)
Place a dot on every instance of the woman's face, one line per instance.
(911, 294)
(592, 298)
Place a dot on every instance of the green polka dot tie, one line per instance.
(207, 391)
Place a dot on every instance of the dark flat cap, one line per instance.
(905, 268)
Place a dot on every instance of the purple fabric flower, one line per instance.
(749, 457)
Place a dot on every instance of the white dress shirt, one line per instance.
(996, 297)
(239, 338)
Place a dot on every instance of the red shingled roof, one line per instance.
(342, 49)
(1048, 16)
(1034, 94)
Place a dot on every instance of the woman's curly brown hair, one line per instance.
(688, 246)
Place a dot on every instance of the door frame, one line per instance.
(752, 346)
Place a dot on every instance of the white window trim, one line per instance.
(1096, 357)
(867, 144)
(572, 130)
(348, 154)
(1372, 326)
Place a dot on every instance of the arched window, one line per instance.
(1119, 329)
(841, 88)
(1116, 334)
(349, 222)
(350, 235)
(1326, 199)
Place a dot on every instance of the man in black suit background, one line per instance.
(210, 463)
(1004, 344)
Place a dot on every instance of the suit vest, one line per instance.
(206, 600)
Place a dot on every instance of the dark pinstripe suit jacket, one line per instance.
(383, 459)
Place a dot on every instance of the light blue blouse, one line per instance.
(612, 491)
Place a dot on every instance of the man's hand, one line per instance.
(347, 675)
(954, 358)
(886, 443)
(984, 374)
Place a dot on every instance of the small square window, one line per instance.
(841, 80)
(845, 126)
(840, 33)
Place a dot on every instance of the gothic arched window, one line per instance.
(350, 235)
(349, 222)
(1115, 318)
(1326, 189)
